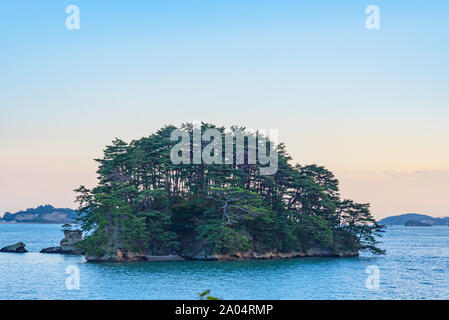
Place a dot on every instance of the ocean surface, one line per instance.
(416, 266)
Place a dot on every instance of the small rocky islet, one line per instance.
(67, 244)
(18, 247)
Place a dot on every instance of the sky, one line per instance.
(370, 105)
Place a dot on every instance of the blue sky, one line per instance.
(365, 103)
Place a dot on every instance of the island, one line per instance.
(414, 223)
(41, 214)
(18, 247)
(404, 218)
(146, 207)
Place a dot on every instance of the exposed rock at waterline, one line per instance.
(170, 257)
(126, 256)
(67, 245)
(71, 237)
(312, 252)
(18, 247)
(192, 248)
(117, 256)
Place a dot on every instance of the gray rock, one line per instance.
(18, 247)
(71, 237)
(169, 257)
(67, 245)
(57, 249)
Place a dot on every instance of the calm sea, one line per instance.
(416, 266)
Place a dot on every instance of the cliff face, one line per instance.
(313, 251)
(192, 247)
(126, 256)
(249, 255)
(194, 250)
(118, 255)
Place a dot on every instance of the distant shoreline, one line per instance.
(4, 222)
(41, 214)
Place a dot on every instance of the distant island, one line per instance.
(413, 223)
(402, 219)
(145, 207)
(41, 214)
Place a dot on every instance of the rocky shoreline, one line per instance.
(311, 253)
(123, 256)
(72, 237)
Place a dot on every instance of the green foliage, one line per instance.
(358, 222)
(93, 245)
(161, 239)
(146, 204)
(218, 238)
(314, 231)
(67, 227)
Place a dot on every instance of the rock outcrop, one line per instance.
(131, 257)
(169, 257)
(67, 245)
(250, 255)
(126, 256)
(18, 247)
(194, 249)
(117, 256)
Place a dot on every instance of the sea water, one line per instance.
(416, 266)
